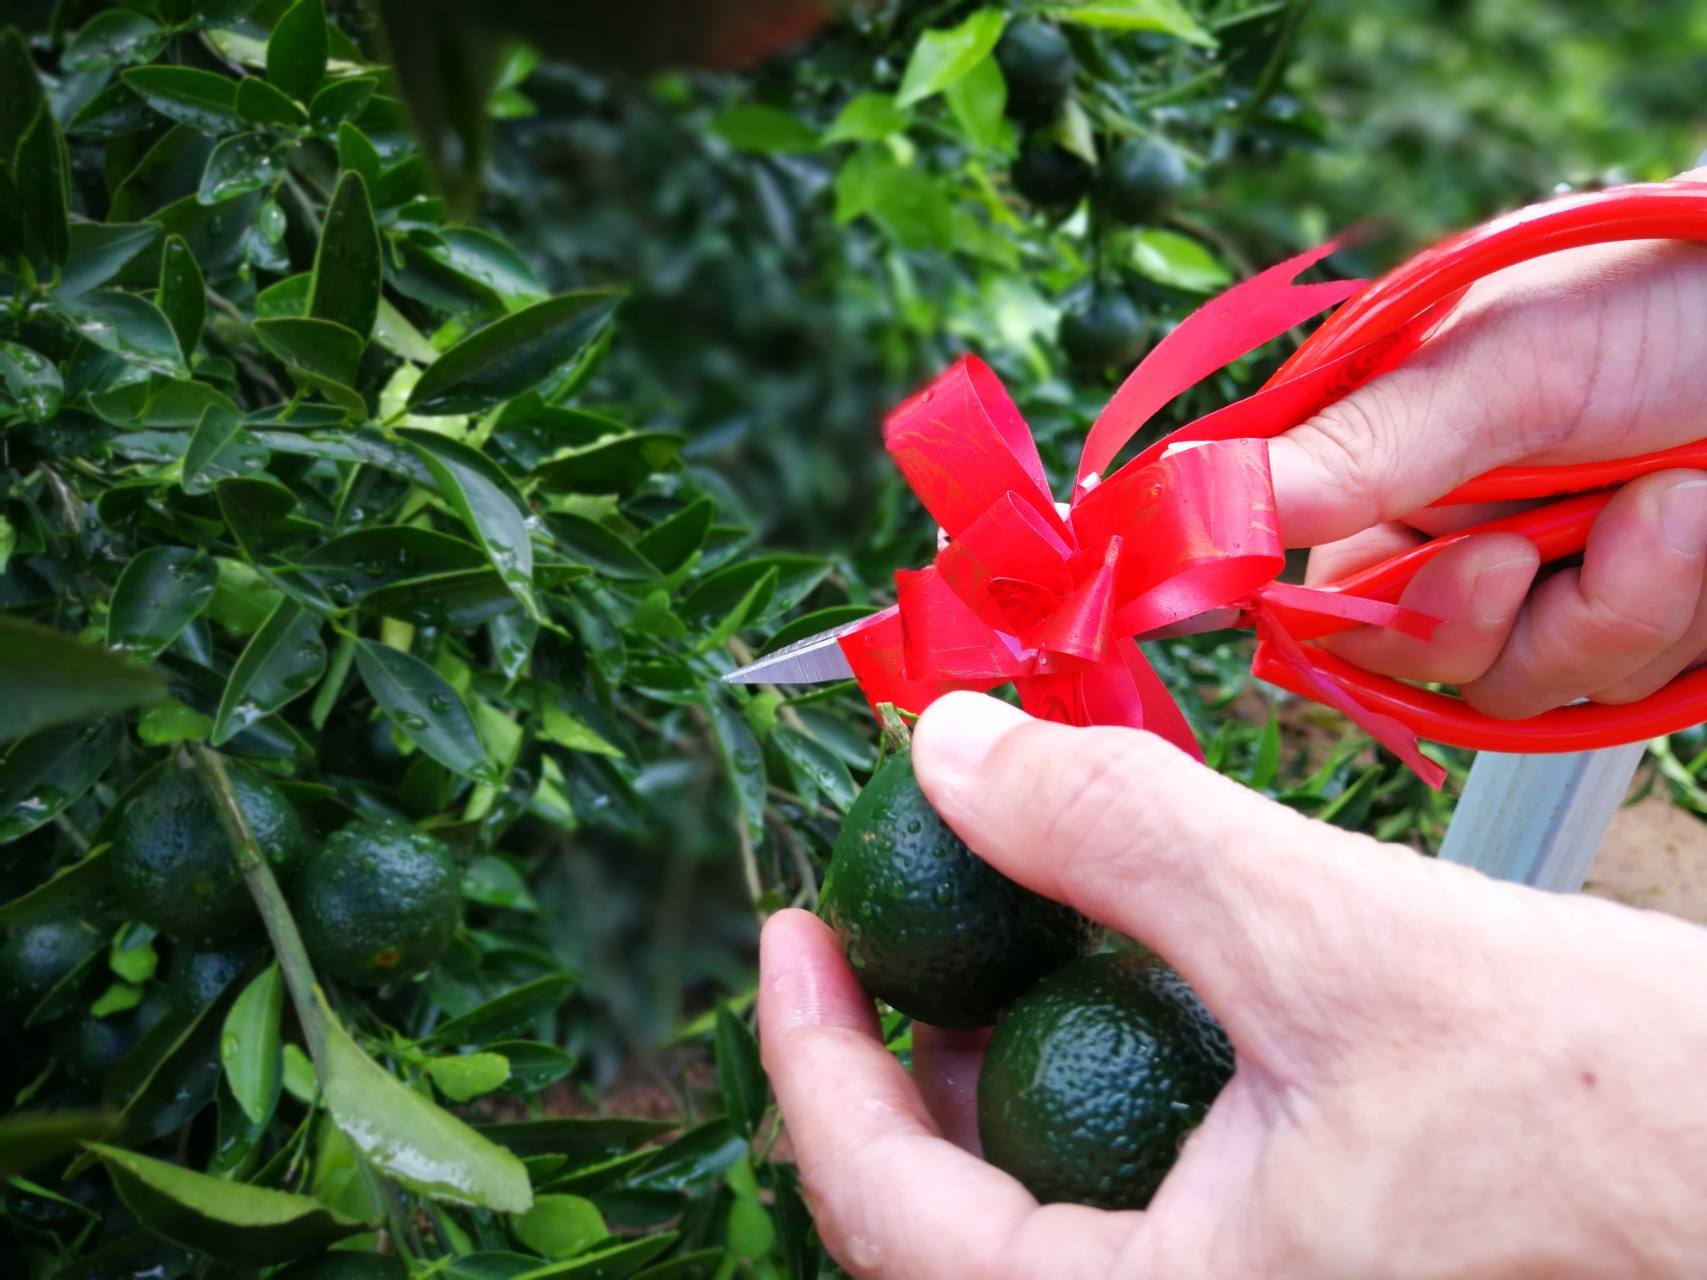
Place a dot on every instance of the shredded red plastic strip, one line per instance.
(1023, 594)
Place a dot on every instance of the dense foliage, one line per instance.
(436, 507)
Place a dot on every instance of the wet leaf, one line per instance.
(465, 1076)
(183, 296)
(534, 1066)
(98, 251)
(560, 1226)
(203, 100)
(31, 381)
(592, 544)
(249, 1045)
(43, 194)
(239, 164)
(157, 596)
(171, 721)
(281, 662)
(669, 543)
(220, 449)
(613, 1263)
(115, 38)
(420, 1145)
(260, 102)
(29, 1139)
(514, 354)
(743, 764)
(339, 101)
(42, 775)
(326, 351)
(942, 57)
(254, 1226)
(610, 466)
(578, 1137)
(132, 328)
(821, 766)
(485, 501)
(346, 280)
(425, 707)
(296, 53)
(507, 1013)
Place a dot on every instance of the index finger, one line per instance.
(894, 1200)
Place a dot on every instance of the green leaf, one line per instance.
(534, 1066)
(1177, 261)
(326, 352)
(200, 99)
(754, 127)
(356, 154)
(412, 1141)
(31, 380)
(506, 1013)
(117, 998)
(44, 193)
(220, 449)
(613, 1263)
(739, 1075)
(978, 101)
(743, 763)
(115, 38)
(466, 1076)
(253, 1226)
(717, 592)
(578, 1137)
(159, 593)
(488, 504)
(589, 542)
(826, 770)
(610, 466)
(296, 53)
(514, 354)
(239, 164)
(183, 294)
(132, 955)
(1166, 16)
(44, 774)
(114, 112)
(911, 206)
(356, 563)
(48, 678)
(33, 1138)
(99, 250)
(171, 721)
(340, 101)
(560, 1226)
(557, 725)
(425, 707)
(495, 881)
(670, 543)
(132, 328)
(259, 102)
(347, 264)
(810, 624)
(943, 56)
(250, 1048)
(871, 117)
(757, 596)
(282, 661)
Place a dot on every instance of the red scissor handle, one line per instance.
(1652, 211)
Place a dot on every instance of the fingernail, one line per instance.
(1499, 590)
(1683, 517)
(957, 733)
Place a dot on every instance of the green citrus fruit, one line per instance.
(36, 957)
(1108, 331)
(195, 979)
(929, 926)
(93, 1046)
(1038, 65)
(1094, 1077)
(379, 902)
(1050, 176)
(175, 866)
(1139, 180)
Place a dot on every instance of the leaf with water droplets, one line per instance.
(296, 53)
(203, 100)
(249, 1045)
(156, 597)
(31, 380)
(261, 103)
(407, 1138)
(280, 663)
(220, 449)
(132, 328)
(42, 775)
(347, 262)
(488, 504)
(114, 38)
(422, 704)
(239, 164)
(98, 250)
(42, 202)
(183, 295)
(742, 760)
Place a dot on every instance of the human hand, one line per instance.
(1439, 1075)
(1589, 354)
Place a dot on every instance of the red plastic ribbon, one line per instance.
(1050, 602)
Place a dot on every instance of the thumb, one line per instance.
(1268, 915)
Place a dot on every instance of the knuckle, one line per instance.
(1645, 622)
(1353, 441)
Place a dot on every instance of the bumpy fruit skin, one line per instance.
(1094, 1076)
(1139, 180)
(195, 979)
(36, 957)
(342, 1265)
(1037, 64)
(929, 926)
(379, 902)
(1107, 332)
(1050, 176)
(176, 869)
(92, 1047)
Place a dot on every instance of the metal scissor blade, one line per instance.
(815, 660)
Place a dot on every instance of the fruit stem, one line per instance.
(269, 900)
(896, 736)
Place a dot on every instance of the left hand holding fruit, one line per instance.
(1438, 1074)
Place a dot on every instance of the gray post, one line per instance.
(1539, 820)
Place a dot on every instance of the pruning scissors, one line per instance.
(1379, 326)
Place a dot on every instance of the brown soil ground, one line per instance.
(1655, 856)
